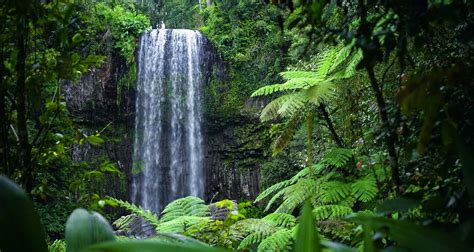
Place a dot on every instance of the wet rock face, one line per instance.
(234, 149)
(234, 153)
(97, 98)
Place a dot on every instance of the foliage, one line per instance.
(248, 36)
(119, 25)
(20, 226)
(57, 246)
(84, 228)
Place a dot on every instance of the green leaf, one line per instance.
(85, 228)
(307, 238)
(77, 38)
(95, 140)
(149, 246)
(20, 226)
(396, 205)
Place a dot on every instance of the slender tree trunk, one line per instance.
(330, 125)
(309, 128)
(390, 139)
(22, 116)
(3, 120)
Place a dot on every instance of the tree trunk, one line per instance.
(22, 114)
(330, 125)
(390, 138)
(4, 121)
(309, 128)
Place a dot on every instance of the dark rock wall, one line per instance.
(93, 105)
(234, 148)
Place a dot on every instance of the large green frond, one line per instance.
(272, 189)
(281, 219)
(365, 189)
(182, 224)
(281, 240)
(337, 157)
(297, 194)
(188, 206)
(334, 191)
(285, 137)
(146, 214)
(331, 212)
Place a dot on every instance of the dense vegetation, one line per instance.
(368, 105)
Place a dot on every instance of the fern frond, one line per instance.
(365, 189)
(301, 174)
(281, 240)
(146, 214)
(295, 104)
(255, 238)
(281, 219)
(325, 60)
(296, 194)
(295, 80)
(285, 137)
(331, 212)
(300, 74)
(334, 191)
(182, 224)
(337, 157)
(188, 206)
(342, 55)
(245, 227)
(270, 111)
(272, 189)
(122, 223)
(275, 198)
(351, 68)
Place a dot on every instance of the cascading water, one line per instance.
(168, 152)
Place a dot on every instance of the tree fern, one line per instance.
(281, 240)
(337, 157)
(182, 224)
(297, 194)
(365, 189)
(188, 206)
(146, 214)
(281, 219)
(284, 138)
(334, 191)
(331, 212)
(272, 189)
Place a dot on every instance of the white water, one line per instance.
(168, 153)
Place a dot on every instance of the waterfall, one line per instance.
(168, 152)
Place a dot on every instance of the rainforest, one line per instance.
(236, 125)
